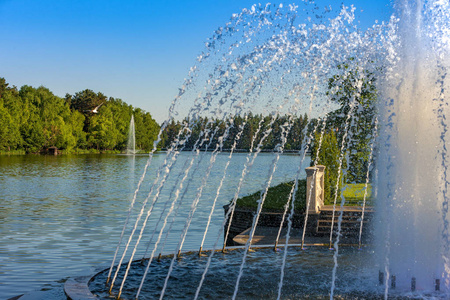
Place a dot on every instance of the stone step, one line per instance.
(350, 220)
(343, 221)
(353, 219)
(344, 231)
(348, 209)
(344, 226)
(345, 212)
(344, 216)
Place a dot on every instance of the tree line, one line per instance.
(250, 127)
(34, 119)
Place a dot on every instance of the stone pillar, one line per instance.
(315, 188)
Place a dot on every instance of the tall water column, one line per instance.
(412, 163)
(131, 142)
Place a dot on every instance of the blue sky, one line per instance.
(139, 51)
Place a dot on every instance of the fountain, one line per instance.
(131, 141)
(413, 159)
(291, 60)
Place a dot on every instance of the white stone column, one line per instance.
(315, 188)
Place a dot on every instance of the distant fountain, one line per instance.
(277, 59)
(131, 141)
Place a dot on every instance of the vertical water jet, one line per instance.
(131, 141)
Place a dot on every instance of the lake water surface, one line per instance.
(61, 216)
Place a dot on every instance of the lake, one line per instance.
(61, 216)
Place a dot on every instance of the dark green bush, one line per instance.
(277, 197)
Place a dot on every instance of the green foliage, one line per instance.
(277, 197)
(32, 135)
(329, 157)
(146, 130)
(34, 119)
(252, 123)
(7, 130)
(85, 101)
(353, 88)
(101, 132)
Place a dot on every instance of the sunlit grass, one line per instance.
(354, 194)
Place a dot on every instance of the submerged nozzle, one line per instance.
(393, 282)
(380, 278)
(413, 284)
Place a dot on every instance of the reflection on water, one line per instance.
(62, 215)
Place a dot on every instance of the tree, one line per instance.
(329, 157)
(102, 134)
(32, 134)
(169, 134)
(10, 117)
(146, 131)
(296, 134)
(33, 119)
(121, 115)
(355, 90)
(76, 122)
(85, 102)
(6, 129)
(50, 113)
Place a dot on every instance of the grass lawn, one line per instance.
(354, 194)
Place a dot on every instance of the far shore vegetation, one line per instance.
(33, 120)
